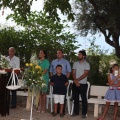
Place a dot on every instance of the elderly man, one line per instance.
(14, 62)
(66, 68)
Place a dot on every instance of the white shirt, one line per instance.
(14, 62)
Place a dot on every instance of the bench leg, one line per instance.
(96, 110)
(100, 109)
(28, 103)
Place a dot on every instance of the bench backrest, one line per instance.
(98, 90)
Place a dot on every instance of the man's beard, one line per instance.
(80, 58)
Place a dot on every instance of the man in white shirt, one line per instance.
(14, 62)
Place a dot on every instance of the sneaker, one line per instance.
(74, 114)
(13, 106)
(61, 115)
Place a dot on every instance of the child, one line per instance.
(59, 82)
(113, 93)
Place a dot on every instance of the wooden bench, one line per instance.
(97, 94)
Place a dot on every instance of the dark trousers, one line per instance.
(58, 110)
(14, 98)
(14, 93)
(82, 90)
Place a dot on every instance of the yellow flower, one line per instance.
(40, 68)
(27, 64)
(31, 64)
(36, 67)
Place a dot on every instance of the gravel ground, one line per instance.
(20, 113)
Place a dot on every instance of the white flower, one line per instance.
(41, 78)
(34, 59)
(4, 63)
(43, 85)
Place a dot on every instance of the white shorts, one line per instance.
(59, 99)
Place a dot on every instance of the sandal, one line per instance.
(54, 114)
(42, 111)
(38, 109)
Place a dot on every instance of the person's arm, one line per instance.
(17, 63)
(51, 70)
(73, 74)
(45, 71)
(74, 78)
(46, 67)
(86, 72)
(66, 84)
(66, 81)
(51, 74)
(68, 67)
(68, 75)
(51, 81)
(117, 85)
(111, 82)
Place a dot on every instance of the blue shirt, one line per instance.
(65, 66)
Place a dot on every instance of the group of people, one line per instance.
(59, 72)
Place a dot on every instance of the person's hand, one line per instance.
(75, 81)
(77, 84)
(118, 76)
(52, 84)
(66, 84)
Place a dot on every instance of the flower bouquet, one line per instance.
(33, 77)
(3, 64)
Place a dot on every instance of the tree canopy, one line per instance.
(103, 16)
(37, 33)
(92, 16)
(23, 7)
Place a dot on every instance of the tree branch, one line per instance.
(97, 12)
(94, 5)
(107, 38)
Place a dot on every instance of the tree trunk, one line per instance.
(117, 52)
(114, 43)
(115, 38)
